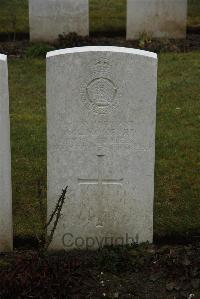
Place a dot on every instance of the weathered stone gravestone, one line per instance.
(101, 107)
(5, 161)
(49, 18)
(158, 18)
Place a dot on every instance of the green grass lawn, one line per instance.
(177, 206)
(14, 16)
(28, 138)
(105, 15)
(193, 12)
(108, 15)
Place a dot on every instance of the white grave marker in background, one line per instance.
(49, 18)
(156, 18)
(6, 238)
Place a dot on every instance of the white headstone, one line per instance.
(49, 18)
(157, 18)
(101, 108)
(5, 161)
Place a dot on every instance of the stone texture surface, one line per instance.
(101, 110)
(5, 161)
(161, 18)
(49, 18)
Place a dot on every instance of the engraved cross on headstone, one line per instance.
(100, 181)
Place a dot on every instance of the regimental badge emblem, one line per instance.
(100, 93)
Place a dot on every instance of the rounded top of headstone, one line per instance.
(3, 57)
(102, 49)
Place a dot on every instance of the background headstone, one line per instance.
(101, 109)
(49, 18)
(5, 161)
(159, 18)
